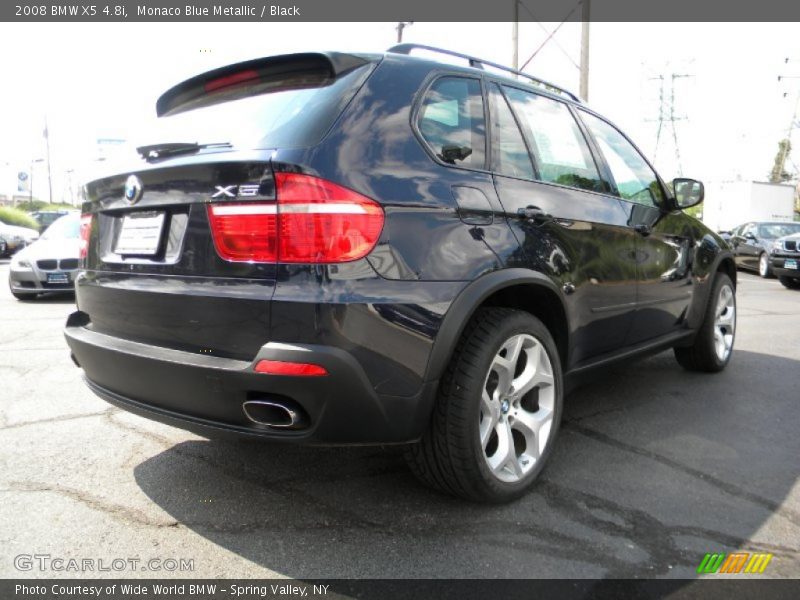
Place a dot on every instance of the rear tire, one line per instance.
(713, 345)
(489, 440)
(792, 283)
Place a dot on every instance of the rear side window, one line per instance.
(509, 153)
(636, 181)
(295, 111)
(451, 121)
(561, 153)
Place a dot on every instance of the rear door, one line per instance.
(581, 237)
(182, 246)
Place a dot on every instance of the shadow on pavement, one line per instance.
(653, 468)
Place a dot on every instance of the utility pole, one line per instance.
(400, 26)
(515, 37)
(49, 171)
(585, 16)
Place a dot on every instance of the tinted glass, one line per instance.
(509, 153)
(559, 148)
(776, 230)
(635, 180)
(451, 121)
(289, 115)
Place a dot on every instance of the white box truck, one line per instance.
(731, 203)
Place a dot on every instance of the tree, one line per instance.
(778, 173)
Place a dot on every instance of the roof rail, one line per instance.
(479, 63)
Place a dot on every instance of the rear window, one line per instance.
(290, 114)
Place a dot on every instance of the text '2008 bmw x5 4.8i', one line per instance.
(370, 249)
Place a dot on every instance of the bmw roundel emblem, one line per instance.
(133, 189)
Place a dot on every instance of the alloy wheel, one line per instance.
(517, 408)
(724, 322)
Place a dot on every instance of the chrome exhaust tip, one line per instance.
(273, 414)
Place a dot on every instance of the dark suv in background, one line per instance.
(368, 249)
(753, 244)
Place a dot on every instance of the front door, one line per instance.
(664, 240)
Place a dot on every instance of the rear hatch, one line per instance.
(180, 250)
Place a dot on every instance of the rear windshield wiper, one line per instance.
(159, 151)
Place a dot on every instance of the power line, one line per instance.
(550, 36)
(555, 41)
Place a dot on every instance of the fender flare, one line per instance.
(699, 306)
(468, 301)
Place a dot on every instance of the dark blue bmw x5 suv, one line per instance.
(337, 248)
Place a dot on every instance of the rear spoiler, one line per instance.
(288, 71)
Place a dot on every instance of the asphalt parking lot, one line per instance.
(654, 467)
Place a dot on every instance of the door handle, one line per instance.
(534, 213)
(642, 229)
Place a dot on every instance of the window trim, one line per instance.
(431, 79)
(665, 204)
(527, 136)
(520, 128)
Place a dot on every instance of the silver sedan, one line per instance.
(50, 264)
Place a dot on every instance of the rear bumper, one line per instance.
(205, 394)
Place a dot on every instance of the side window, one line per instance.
(559, 149)
(635, 180)
(509, 153)
(451, 121)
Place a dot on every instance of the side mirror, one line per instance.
(688, 192)
(749, 236)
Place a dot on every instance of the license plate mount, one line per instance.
(140, 234)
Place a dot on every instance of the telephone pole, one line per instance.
(400, 27)
(515, 37)
(585, 16)
(49, 171)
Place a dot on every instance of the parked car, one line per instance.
(3, 247)
(45, 218)
(753, 244)
(786, 260)
(407, 252)
(16, 237)
(49, 264)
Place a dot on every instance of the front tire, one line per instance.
(793, 283)
(764, 268)
(713, 345)
(497, 412)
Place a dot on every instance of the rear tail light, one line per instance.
(85, 232)
(313, 221)
(244, 232)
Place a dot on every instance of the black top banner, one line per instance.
(413, 10)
